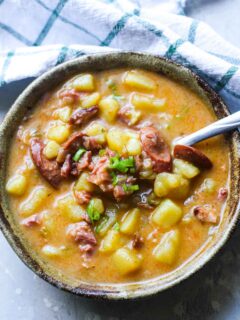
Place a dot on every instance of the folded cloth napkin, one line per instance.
(37, 35)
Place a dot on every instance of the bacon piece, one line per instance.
(82, 197)
(49, 169)
(82, 233)
(81, 116)
(35, 219)
(222, 194)
(66, 167)
(71, 146)
(157, 149)
(206, 214)
(100, 175)
(71, 93)
(193, 155)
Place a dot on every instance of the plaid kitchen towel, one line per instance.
(36, 35)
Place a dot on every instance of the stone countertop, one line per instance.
(212, 293)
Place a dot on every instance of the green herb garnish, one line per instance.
(102, 152)
(79, 154)
(130, 188)
(122, 165)
(114, 178)
(116, 226)
(102, 224)
(92, 212)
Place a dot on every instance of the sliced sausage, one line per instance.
(157, 149)
(49, 169)
(67, 166)
(81, 116)
(193, 155)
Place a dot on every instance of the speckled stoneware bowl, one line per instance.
(27, 101)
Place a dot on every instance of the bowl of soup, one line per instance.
(93, 198)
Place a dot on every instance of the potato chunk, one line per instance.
(111, 241)
(136, 80)
(126, 260)
(167, 250)
(51, 150)
(97, 204)
(17, 185)
(84, 82)
(64, 114)
(147, 103)
(97, 130)
(83, 184)
(37, 197)
(117, 140)
(51, 251)
(109, 108)
(130, 222)
(69, 208)
(186, 169)
(182, 191)
(134, 147)
(167, 214)
(90, 100)
(164, 182)
(58, 133)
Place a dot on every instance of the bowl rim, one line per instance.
(16, 243)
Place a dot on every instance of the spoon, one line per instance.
(215, 128)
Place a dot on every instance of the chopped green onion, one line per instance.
(130, 188)
(114, 178)
(116, 227)
(102, 224)
(92, 212)
(102, 152)
(122, 165)
(79, 154)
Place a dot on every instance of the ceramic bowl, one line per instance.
(95, 62)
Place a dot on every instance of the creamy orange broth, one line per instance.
(183, 113)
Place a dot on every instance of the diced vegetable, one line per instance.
(132, 115)
(167, 250)
(17, 185)
(208, 186)
(51, 150)
(182, 191)
(139, 81)
(134, 147)
(165, 182)
(111, 241)
(126, 260)
(122, 165)
(37, 197)
(98, 131)
(109, 108)
(83, 184)
(185, 168)
(77, 156)
(130, 222)
(84, 82)
(147, 103)
(91, 100)
(69, 208)
(107, 222)
(95, 208)
(52, 251)
(167, 214)
(117, 140)
(64, 114)
(58, 133)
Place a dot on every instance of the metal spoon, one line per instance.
(218, 127)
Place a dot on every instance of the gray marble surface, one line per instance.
(213, 293)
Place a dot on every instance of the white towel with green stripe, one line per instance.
(37, 35)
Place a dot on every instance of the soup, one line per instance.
(96, 186)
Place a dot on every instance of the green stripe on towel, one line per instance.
(226, 78)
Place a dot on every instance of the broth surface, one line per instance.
(181, 113)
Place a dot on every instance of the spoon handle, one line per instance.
(220, 126)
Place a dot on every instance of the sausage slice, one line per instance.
(193, 155)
